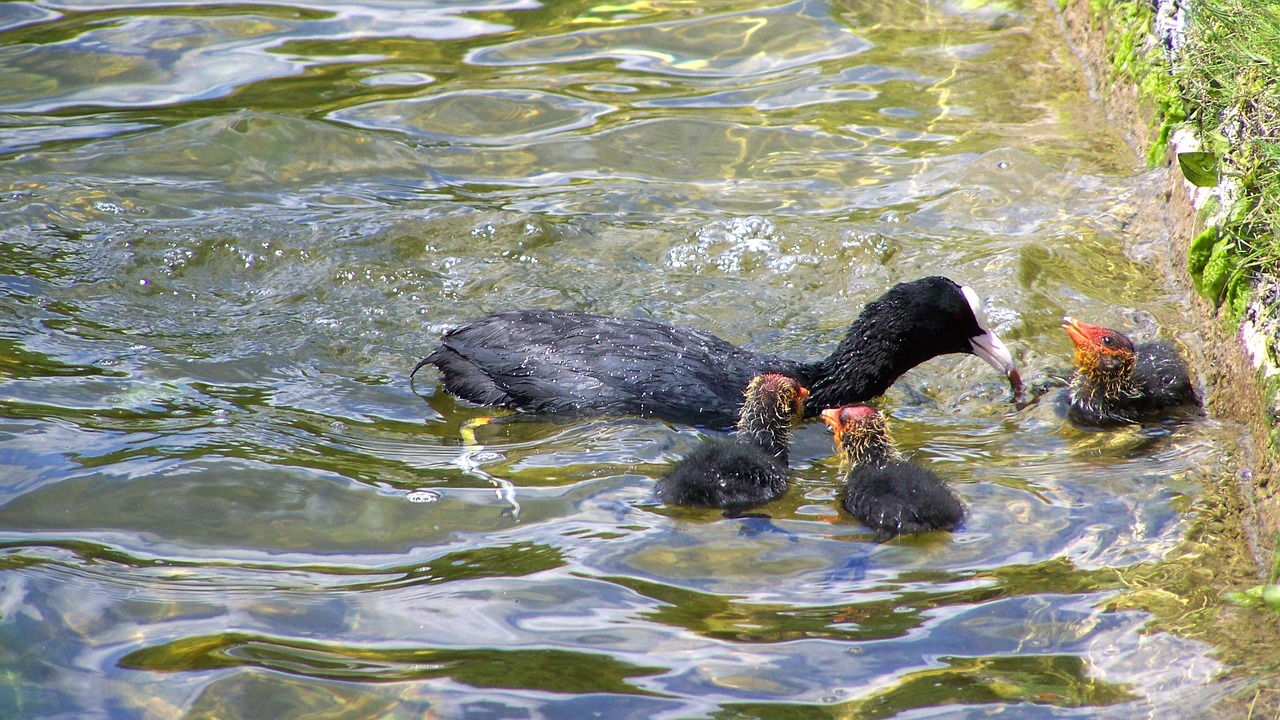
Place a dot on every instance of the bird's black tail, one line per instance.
(424, 361)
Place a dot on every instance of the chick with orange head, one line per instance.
(1117, 382)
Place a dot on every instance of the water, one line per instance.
(229, 232)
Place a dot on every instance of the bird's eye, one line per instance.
(1108, 341)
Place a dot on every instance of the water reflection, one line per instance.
(759, 41)
(227, 232)
(91, 56)
(495, 117)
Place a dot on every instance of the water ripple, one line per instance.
(755, 42)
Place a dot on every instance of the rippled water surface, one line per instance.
(228, 231)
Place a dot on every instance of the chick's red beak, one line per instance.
(1082, 334)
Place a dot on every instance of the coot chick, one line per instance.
(1118, 383)
(882, 490)
(543, 361)
(749, 468)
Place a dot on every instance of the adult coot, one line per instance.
(883, 491)
(543, 361)
(749, 468)
(1117, 382)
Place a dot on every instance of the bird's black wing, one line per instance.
(1162, 377)
(552, 362)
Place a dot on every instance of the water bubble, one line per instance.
(423, 496)
(398, 78)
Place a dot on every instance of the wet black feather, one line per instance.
(578, 364)
(899, 497)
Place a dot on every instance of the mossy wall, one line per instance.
(1182, 109)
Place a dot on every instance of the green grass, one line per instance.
(1229, 73)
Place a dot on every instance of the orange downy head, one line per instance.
(1103, 355)
(772, 400)
(788, 393)
(860, 433)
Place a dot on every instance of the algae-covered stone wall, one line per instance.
(1136, 53)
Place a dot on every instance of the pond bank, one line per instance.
(1222, 247)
